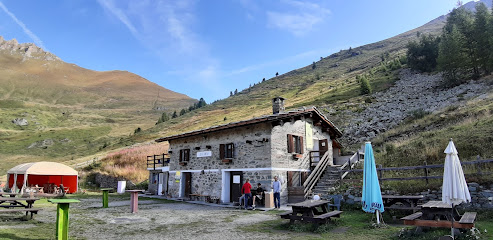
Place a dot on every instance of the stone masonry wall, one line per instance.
(481, 196)
(280, 156)
(254, 154)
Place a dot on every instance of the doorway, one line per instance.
(188, 184)
(323, 147)
(236, 182)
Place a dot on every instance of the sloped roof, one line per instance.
(268, 118)
(42, 168)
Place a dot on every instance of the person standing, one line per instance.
(247, 190)
(276, 187)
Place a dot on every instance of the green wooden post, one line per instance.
(62, 216)
(105, 196)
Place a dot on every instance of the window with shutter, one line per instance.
(229, 150)
(290, 143)
(295, 144)
(184, 155)
(221, 151)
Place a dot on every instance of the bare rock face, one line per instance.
(20, 122)
(27, 50)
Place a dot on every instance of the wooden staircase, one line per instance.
(325, 179)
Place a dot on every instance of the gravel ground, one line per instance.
(160, 220)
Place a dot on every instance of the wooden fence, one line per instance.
(425, 167)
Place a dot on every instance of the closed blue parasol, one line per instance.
(372, 197)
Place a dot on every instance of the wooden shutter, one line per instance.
(187, 155)
(222, 149)
(301, 145)
(181, 155)
(290, 143)
(290, 179)
(232, 150)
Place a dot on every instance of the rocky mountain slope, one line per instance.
(412, 95)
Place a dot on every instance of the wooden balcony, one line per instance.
(157, 161)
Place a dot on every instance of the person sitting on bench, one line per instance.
(259, 195)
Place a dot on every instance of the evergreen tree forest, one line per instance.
(464, 50)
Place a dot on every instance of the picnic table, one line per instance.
(8, 194)
(14, 204)
(440, 214)
(315, 211)
(402, 202)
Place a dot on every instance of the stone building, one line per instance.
(216, 161)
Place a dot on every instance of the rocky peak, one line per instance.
(27, 50)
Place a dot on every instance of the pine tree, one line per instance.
(365, 87)
(230, 93)
(314, 65)
(182, 112)
(452, 56)
(277, 74)
(482, 37)
(164, 117)
(236, 91)
(201, 103)
(175, 115)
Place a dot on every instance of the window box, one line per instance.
(183, 163)
(297, 156)
(228, 160)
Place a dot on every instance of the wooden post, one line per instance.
(426, 172)
(105, 196)
(62, 216)
(380, 171)
(478, 165)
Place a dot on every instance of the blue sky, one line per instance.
(208, 48)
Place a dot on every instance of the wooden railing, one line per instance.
(316, 174)
(425, 168)
(154, 161)
(353, 160)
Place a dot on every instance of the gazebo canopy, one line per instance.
(42, 168)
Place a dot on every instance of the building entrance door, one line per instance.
(188, 183)
(236, 184)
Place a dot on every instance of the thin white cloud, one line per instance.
(166, 28)
(300, 21)
(26, 30)
(118, 13)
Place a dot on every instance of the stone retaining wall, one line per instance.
(481, 196)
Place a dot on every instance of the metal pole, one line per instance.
(62, 221)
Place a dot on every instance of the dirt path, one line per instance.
(160, 220)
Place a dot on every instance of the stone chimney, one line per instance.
(277, 105)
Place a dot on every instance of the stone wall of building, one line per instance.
(251, 149)
(260, 151)
(280, 156)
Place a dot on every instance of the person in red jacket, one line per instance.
(247, 190)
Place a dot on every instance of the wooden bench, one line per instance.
(286, 214)
(323, 218)
(27, 210)
(468, 218)
(466, 221)
(198, 196)
(412, 217)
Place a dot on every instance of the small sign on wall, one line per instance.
(177, 177)
(236, 178)
(204, 154)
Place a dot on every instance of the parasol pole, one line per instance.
(452, 197)
(378, 216)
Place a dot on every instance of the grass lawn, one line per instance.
(163, 219)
